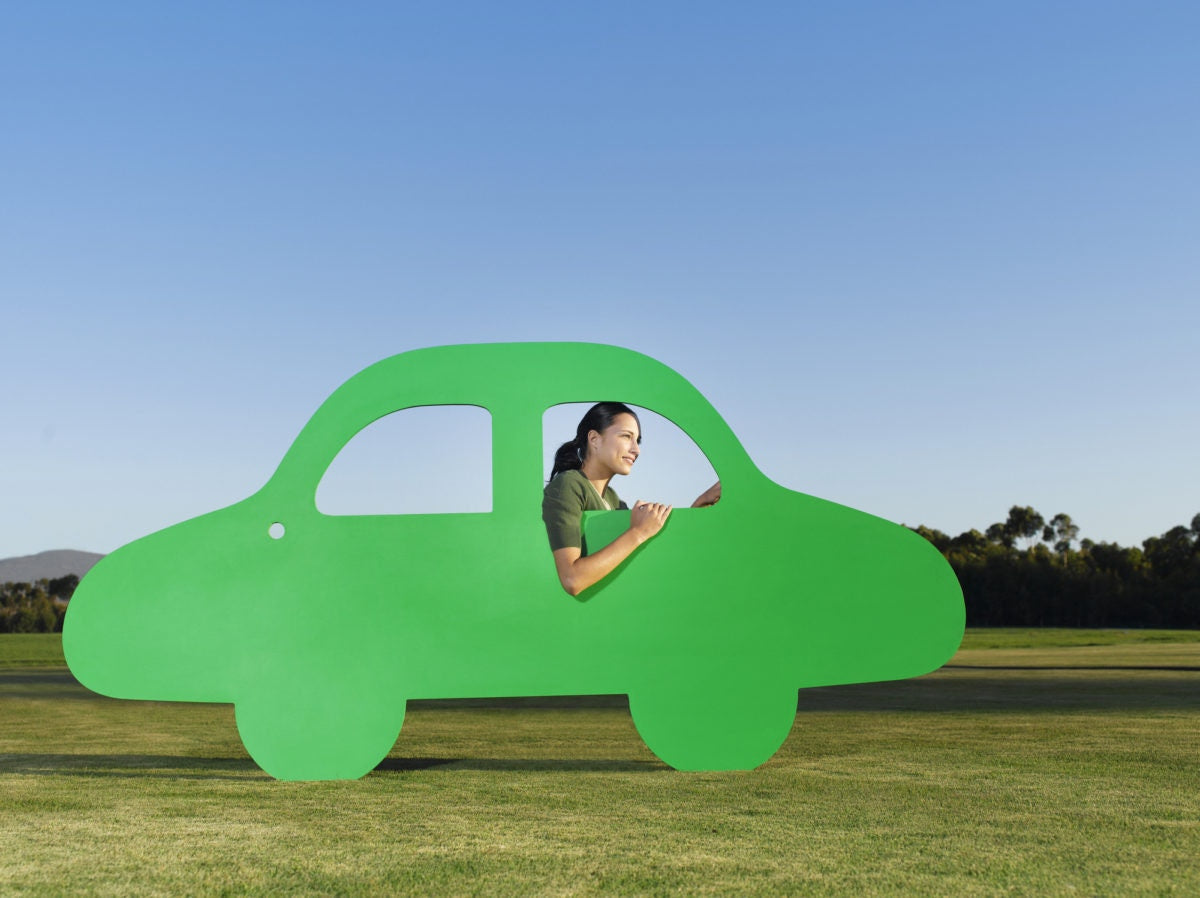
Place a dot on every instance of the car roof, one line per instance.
(516, 382)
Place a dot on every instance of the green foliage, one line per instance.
(1097, 585)
(1062, 531)
(1023, 522)
(35, 607)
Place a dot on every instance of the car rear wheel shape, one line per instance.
(718, 726)
(315, 735)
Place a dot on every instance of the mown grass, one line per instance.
(1053, 637)
(970, 781)
(31, 650)
(1078, 649)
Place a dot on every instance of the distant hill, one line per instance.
(46, 565)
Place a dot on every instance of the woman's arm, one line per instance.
(577, 571)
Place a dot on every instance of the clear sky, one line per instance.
(927, 259)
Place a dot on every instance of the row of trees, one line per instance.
(1024, 572)
(35, 607)
(1027, 572)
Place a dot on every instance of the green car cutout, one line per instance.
(318, 628)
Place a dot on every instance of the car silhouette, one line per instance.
(318, 628)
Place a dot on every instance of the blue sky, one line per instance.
(928, 260)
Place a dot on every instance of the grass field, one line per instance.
(1037, 763)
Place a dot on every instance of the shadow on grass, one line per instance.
(959, 688)
(131, 766)
(949, 689)
(1015, 690)
(42, 682)
(538, 765)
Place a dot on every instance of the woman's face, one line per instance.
(617, 447)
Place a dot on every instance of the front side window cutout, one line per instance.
(671, 467)
(434, 459)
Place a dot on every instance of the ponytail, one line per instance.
(569, 457)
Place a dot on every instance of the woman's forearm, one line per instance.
(577, 571)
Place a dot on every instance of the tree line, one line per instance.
(35, 607)
(1029, 572)
(1022, 572)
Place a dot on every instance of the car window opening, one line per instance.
(670, 468)
(424, 460)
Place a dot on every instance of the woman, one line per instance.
(606, 443)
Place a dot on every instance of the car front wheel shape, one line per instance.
(305, 736)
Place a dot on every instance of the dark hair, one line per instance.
(570, 455)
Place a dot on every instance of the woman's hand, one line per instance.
(577, 571)
(710, 496)
(647, 518)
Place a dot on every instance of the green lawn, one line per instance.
(31, 650)
(1018, 638)
(1079, 775)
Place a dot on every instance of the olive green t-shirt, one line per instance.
(564, 501)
